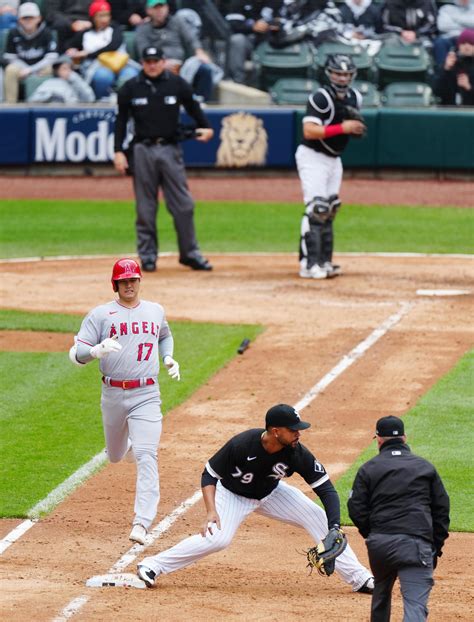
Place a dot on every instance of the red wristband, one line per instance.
(333, 130)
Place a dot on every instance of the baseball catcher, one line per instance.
(323, 556)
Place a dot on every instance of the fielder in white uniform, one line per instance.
(244, 476)
(326, 131)
(128, 335)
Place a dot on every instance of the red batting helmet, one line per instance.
(125, 269)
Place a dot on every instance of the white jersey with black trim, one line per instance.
(324, 108)
(244, 467)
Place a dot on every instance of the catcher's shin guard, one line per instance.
(327, 241)
(311, 247)
(334, 205)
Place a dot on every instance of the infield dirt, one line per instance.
(309, 326)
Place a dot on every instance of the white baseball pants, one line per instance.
(135, 414)
(286, 503)
(320, 175)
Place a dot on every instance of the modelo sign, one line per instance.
(73, 135)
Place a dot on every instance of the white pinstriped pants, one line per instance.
(286, 503)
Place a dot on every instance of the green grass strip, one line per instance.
(57, 227)
(439, 428)
(50, 422)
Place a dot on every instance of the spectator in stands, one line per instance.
(455, 84)
(128, 13)
(8, 13)
(410, 21)
(173, 34)
(65, 87)
(250, 24)
(452, 20)
(67, 17)
(88, 48)
(361, 18)
(314, 20)
(30, 50)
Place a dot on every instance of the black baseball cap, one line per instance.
(284, 416)
(152, 52)
(389, 426)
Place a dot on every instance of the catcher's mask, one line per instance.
(340, 70)
(125, 269)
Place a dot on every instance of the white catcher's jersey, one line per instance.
(139, 331)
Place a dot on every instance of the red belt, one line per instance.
(128, 384)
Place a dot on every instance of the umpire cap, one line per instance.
(152, 53)
(389, 426)
(284, 416)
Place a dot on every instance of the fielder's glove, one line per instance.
(323, 556)
(104, 348)
(173, 367)
(353, 114)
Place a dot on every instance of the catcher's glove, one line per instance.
(351, 113)
(323, 556)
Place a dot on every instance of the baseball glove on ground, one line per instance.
(351, 113)
(323, 556)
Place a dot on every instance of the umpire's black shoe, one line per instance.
(197, 262)
(368, 587)
(149, 266)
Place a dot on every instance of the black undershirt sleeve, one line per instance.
(207, 479)
(330, 499)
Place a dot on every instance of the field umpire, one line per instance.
(153, 100)
(399, 504)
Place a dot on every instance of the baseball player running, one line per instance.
(326, 130)
(244, 476)
(127, 335)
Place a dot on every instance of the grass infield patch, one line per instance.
(57, 227)
(438, 428)
(50, 422)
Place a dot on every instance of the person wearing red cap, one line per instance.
(128, 336)
(455, 84)
(88, 45)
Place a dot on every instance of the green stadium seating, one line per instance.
(403, 94)
(293, 91)
(293, 61)
(31, 83)
(397, 62)
(129, 38)
(359, 55)
(368, 90)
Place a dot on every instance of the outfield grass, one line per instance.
(50, 422)
(439, 428)
(57, 227)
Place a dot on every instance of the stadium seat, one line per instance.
(293, 91)
(359, 55)
(368, 90)
(407, 94)
(31, 83)
(397, 62)
(293, 61)
(129, 38)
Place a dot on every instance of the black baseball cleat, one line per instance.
(198, 262)
(147, 575)
(148, 266)
(368, 587)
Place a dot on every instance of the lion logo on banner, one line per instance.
(244, 141)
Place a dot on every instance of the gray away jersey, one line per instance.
(139, 331)
(245, 468)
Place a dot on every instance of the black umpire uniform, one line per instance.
(399, 504)
(154, 105)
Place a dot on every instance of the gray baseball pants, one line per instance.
(135, 415)
(155, 166)
(411, 559)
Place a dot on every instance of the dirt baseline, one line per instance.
(309, 327)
